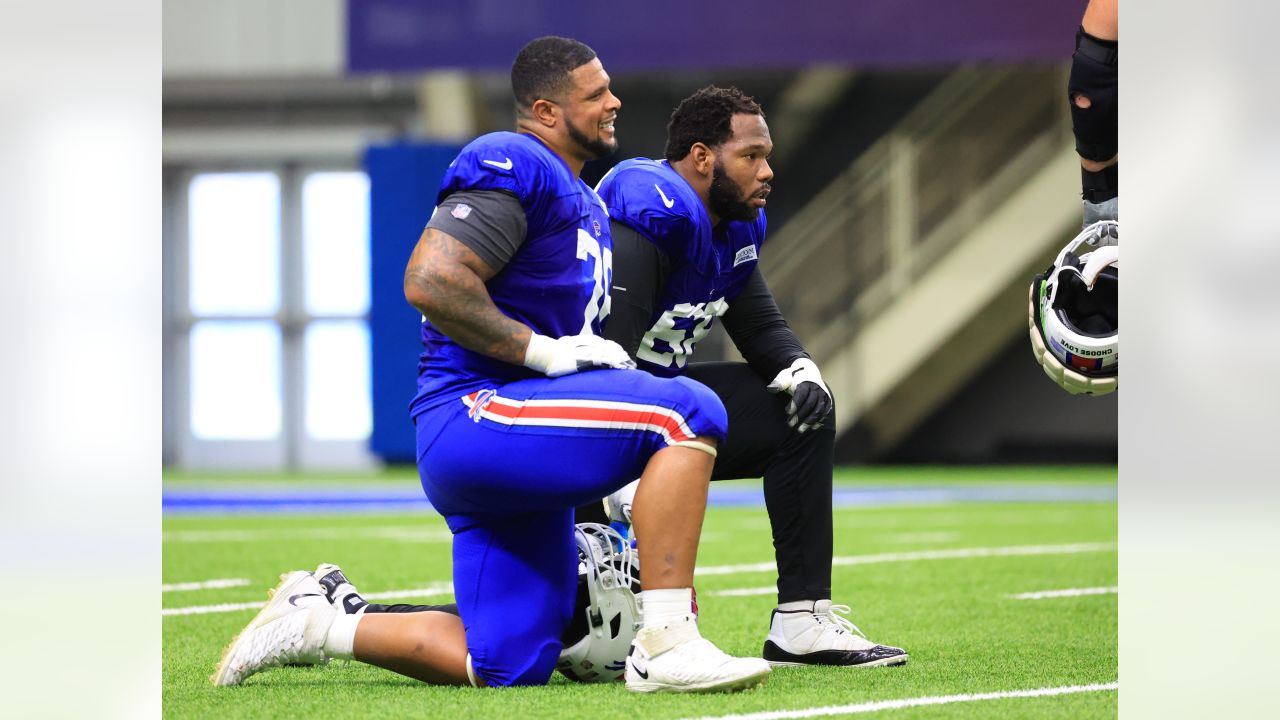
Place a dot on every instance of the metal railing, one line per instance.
(911, 196)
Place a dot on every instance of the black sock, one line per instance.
(451, 608)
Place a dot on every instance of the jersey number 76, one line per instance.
(601, 274)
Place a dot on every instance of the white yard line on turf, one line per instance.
(949, 554)
(203, 609)
(1042, 595)
(952, 554)
(205, 585)
(1072, 592)
(445, 588)
(433, 590)
(743, 592)
(870, 707)
(923, 537)
(853, 521)
(402, 533)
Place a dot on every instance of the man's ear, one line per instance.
(703, 157)
(545, 112)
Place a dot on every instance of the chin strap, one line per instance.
(1104, 237)
(1095, 263)
(1098, 260)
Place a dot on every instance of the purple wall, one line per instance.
(406, 35)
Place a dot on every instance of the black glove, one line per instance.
(810, 398)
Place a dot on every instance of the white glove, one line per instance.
(810, 398)
(574, 353)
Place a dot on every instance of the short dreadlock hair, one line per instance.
(542, 68)
(706, 117)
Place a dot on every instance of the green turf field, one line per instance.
(937, 579)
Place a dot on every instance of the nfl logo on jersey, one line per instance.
(461, 211)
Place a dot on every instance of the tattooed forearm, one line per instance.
(445, 282)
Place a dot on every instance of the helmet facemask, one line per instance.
(606, 612)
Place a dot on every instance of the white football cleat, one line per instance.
(676, 658)
(290, 630)
(822, 636)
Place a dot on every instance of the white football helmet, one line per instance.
(606, 614)
(1073, 313)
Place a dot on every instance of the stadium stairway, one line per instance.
(909, 272)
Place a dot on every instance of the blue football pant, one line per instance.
(507, 465)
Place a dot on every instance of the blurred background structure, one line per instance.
(924, 171)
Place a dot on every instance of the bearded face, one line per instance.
(727, 198)
(599, 146)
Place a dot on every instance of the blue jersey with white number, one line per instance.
(709, 266)
(556, 281)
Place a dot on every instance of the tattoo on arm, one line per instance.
(445, 282)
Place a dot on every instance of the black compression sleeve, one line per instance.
(761, 334)
(640, 270)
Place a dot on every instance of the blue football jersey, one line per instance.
(556, 283)
(709, 266)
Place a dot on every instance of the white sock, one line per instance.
(662, 607)
(797, 605)
(340, 643)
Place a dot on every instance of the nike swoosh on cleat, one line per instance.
(505, 165)
(665, 200)
(641, 668)
(293, 599)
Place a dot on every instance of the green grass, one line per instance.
(954, 616)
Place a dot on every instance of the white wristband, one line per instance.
(539, 352)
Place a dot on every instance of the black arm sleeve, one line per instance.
(490, 222)
(761, 334)
(640, 270)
